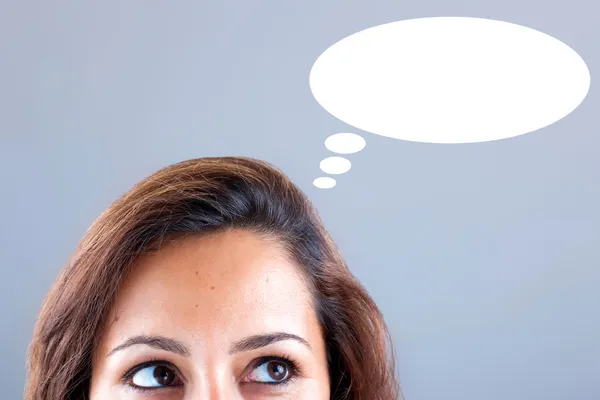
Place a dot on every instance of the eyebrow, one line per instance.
(258, 341)
(175, 346)
(156, 342)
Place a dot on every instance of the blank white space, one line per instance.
(449, 80)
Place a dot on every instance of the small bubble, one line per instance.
(345, 143)
(335, 165)
(324, 182)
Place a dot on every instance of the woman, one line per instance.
(211, 279)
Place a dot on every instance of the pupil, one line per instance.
(163, 375)
(277, 370)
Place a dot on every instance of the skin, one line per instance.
(210, 293)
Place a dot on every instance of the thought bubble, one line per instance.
(324, 182)
(449, 80)
(341, 143)
(345, 143)
(335, 165)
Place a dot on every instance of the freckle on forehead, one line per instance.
(212, 288)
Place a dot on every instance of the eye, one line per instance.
(272, 371)
(154, 376)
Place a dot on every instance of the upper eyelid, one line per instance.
(295, 367)
(134, 370)
(262, 360)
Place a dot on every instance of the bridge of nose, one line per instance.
(214, 381)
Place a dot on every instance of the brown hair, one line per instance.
(196, 197)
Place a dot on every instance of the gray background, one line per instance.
(483, 257)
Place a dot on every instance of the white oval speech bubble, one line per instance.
(449, 80)
(335, 165)
(324, 182)
(345, 143)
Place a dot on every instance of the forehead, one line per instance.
(233, 258)
(214, 283)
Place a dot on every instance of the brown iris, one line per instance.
(164, 375)
(277, 370)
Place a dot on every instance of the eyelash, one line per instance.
(153, 362)
(295, 371)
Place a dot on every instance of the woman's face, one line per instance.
(224, 316)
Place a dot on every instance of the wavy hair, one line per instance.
(201, 196)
